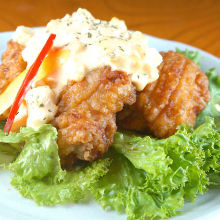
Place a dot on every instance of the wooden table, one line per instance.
(195, 22)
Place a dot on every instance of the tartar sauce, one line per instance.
(40, 105)
(93, 43)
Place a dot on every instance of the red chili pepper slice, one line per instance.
(27, 82)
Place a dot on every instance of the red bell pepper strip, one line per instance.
(27, 82)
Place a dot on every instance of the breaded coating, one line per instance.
(12, 64)
(180, 93)
(86, 114)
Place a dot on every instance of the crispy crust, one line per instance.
(86, 114)
(12, 64)
(180, 93)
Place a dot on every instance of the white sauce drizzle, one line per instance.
(93, 43)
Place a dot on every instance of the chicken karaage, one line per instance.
(178, 96)
(86, 120)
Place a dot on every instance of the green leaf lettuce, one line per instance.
(192, 55)
(38, 173)
(158, 175)
(10, 147)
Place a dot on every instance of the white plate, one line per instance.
(13, 206)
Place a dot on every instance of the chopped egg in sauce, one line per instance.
(82, 44)
(40, 105)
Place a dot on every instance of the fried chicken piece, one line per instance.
(12, 64)
(86, 114)
(180, 93)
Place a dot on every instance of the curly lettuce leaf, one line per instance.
(192, 55)
(38, 173)
(39, 157)
(71, 187)
(158, 175)
(123, 189)
(10, 146)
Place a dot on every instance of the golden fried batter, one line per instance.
(12, 64)
(86, 113)
(180, 93)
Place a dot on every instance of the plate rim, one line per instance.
(217, 59)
